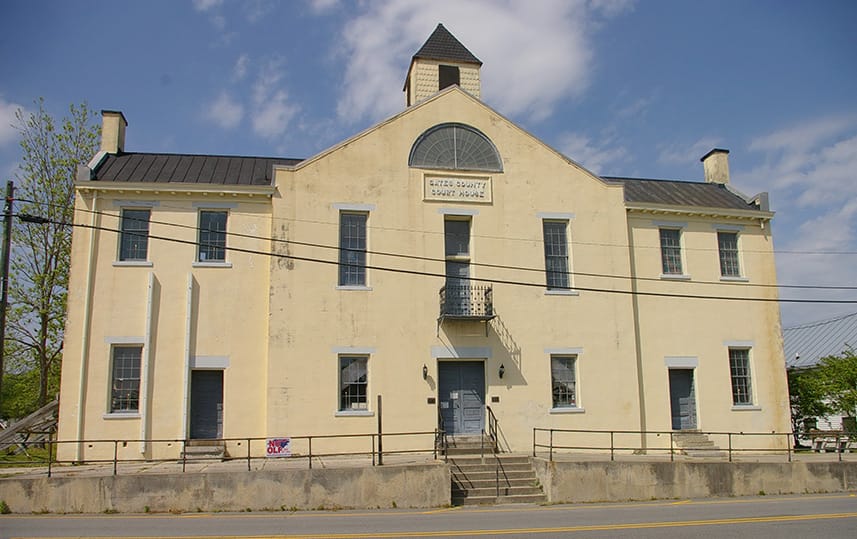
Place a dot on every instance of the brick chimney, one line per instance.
(113, 124)
(716, 165)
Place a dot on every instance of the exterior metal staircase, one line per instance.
(36, 427)
(481, 476)
(696, 444)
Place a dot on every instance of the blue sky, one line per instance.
(640, 89)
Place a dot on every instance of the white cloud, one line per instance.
(225, 111)
(239, 71)
(687, 154)
(206, 5)
(809, 170)
(595, 157)
(272, 109)
(8, 133)
(536, 54)
(323, 6)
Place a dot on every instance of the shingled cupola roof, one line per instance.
(442, 45)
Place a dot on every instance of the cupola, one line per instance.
(442, 61)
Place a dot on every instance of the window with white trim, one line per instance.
(671, 251)
(727, 246)
(353, 383)
(134, 234)
(564, 381)
(352, 248)
(125, 379)
(212, 236)
(556, 254)
(739, 370)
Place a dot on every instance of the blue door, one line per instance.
(682, 399)
(206, 404)
(461, 392)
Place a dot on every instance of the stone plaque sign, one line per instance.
(457, 189)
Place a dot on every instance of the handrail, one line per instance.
(112, 448)
(493, 428)
(440, 436)
(670, 438)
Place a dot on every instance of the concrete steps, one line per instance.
(696, 444)
(494, 479)
(204, 450)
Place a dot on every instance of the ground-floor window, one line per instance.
(125, 386)
(353, 383)
(739, 367)
(564, 381)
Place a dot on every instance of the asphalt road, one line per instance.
(778, 517)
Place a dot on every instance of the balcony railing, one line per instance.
(468, 302)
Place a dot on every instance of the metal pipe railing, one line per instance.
(109, 451)
(587, 440)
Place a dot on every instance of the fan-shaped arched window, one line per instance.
(456, 147)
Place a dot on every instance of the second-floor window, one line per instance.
(727, 245)
(134, 235)
(556, 254)
(671, 251)
(352, 249)
(212, 236)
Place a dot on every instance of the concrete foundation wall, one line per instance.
(616, 481)
(370, 487)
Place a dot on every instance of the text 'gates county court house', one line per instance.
(444, 258)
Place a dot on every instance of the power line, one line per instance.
(443, 276)
(571, 241)
(475, 264)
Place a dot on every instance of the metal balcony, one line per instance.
(468, 302)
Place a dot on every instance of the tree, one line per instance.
(839, 376)
(806, 397)
(51, 152)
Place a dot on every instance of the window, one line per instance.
(353, 383)
(455, 147)
(563, 381)
(671, 251)
(448, 76)
(556, 254)
(352, 249)
(739, 367)
(125, 387)
(212, 236)
(727, 243)
(134, 234)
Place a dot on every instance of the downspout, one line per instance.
(87, 325)
(187, 358)
(638, 346)
(147, 359)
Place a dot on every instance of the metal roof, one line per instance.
(681, 193)
(442, 45)
(183, 168)
(807, 344)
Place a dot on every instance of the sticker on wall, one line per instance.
(279, 447)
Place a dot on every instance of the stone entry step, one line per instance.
(204, 450)
(696, 444)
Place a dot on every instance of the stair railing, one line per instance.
(440, 436)
(493, 429)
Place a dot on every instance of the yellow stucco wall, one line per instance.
(281, 322)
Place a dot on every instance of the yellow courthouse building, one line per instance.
(444, 259)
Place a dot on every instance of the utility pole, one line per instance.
(4, 286)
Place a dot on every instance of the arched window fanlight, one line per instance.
(455, 147)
